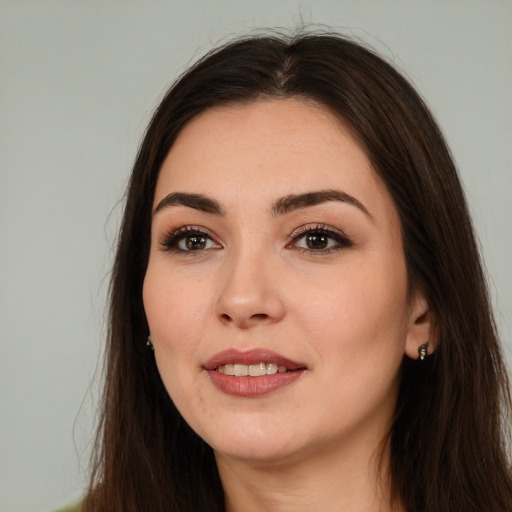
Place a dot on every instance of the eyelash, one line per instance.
(342, 240)
(169, 242)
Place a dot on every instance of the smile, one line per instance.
(251, 370)
(253, 373)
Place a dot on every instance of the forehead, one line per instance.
(268, 149)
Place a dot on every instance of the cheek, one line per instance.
(176, 319)
(360, 311)
(175, 311)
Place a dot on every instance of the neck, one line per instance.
(325, 481)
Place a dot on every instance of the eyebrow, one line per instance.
(282, 206)
(196, 201)
(298, 201)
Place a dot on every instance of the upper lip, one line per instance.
(254, 356)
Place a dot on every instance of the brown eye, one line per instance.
(194, 242)
(320, 240)
(317, 241)
(188, 239)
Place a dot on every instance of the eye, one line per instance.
(196, 242)
(319, 239)
(188, 239)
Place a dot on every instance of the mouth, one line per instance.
(252, 373)
(251, 370)
(251, 363)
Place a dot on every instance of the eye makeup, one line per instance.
(314, 239)
(319, 239)
(187, 239)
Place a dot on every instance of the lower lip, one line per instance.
(252, 387)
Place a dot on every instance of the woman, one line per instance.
(296, 250)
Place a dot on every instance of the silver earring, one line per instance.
(423, 351)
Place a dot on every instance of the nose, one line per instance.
(249, 292)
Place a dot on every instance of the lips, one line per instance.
(252, 373)
(251, 370)
(251, 357)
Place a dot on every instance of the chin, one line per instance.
(256, 455)
(255, 447)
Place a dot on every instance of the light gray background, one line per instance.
(78, 80)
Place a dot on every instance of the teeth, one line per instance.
(229, 369)
(257, 370)
(271, 368)
(241, 370)
(251, 370)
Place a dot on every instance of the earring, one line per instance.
(423, 351)
(149, 344)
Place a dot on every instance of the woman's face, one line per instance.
(274, 241)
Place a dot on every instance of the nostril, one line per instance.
(244, 321)
(259, 316)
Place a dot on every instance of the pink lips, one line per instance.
(252, 387)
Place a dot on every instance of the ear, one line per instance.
(422, 327)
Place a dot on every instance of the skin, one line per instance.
(344, 312)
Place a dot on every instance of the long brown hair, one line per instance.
(449, 440)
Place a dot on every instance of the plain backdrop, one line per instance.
(78, 81)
